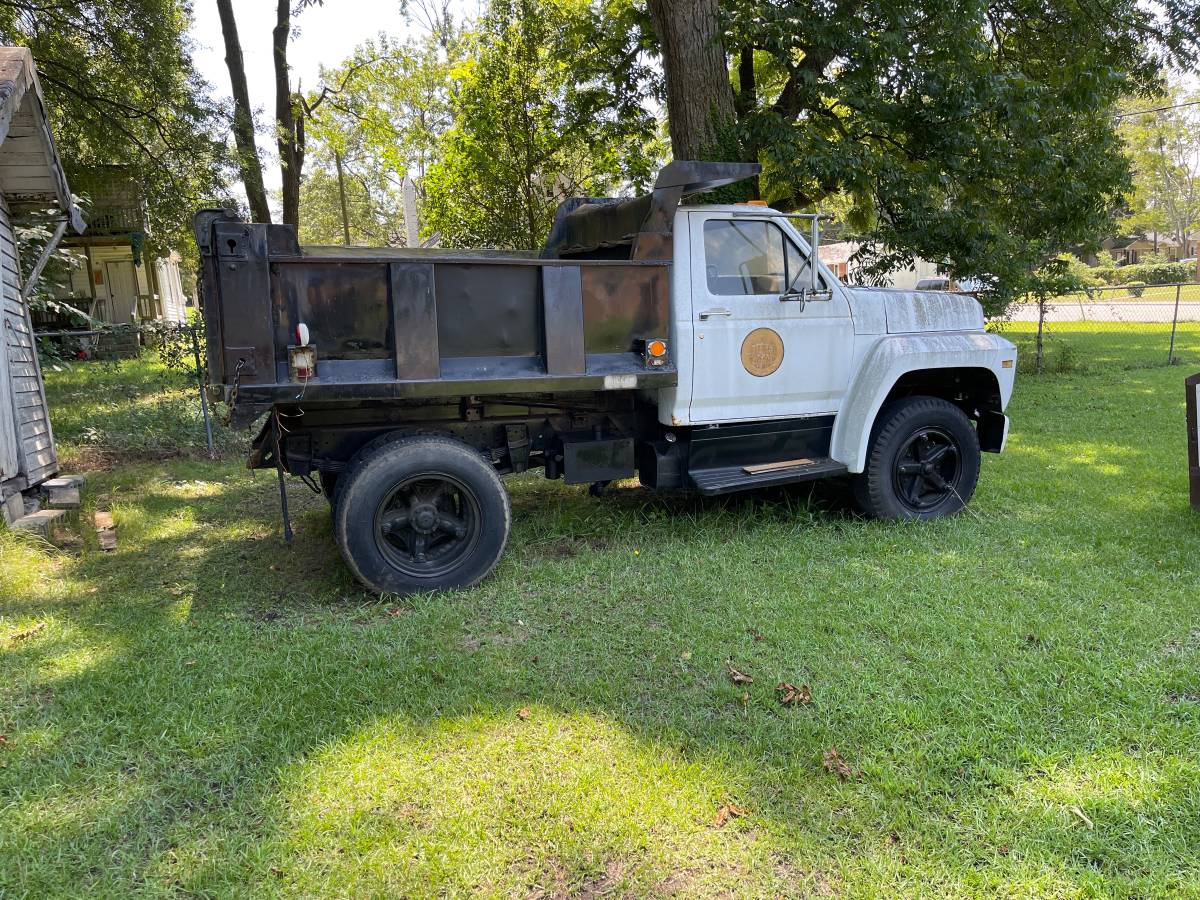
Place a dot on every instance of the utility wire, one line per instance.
(1142, 112)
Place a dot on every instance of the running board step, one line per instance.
(726, 479)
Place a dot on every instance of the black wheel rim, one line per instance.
(427, 525)
(927, 469)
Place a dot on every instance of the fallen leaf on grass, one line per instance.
(524, 713)
(3, 740)
(1079, 813)
(834, 764)
(396, 613)
(738, 677)
(28, 632)
(725, 813)
(791, 695)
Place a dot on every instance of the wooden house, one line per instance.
(31, 179)
(118, 282)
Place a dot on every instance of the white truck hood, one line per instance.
(916, 311)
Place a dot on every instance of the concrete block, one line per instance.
(64, 481)
(64, 497)
(42, 522)
(12, 508)
(63, 491)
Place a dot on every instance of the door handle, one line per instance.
(717, 311)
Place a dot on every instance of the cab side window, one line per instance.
(743, 257)
(747, 257)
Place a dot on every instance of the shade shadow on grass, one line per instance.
(210, 712)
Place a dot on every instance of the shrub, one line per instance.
(1074, 268)
(1157, 273)
(1136, 287)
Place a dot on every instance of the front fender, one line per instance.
(894, 356)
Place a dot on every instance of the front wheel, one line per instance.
(421, 513)
(923, 461)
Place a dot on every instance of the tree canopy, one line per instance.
(122, 90)
(979, 135)
(1162, 135)
(540, 113)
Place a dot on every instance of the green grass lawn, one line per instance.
(206, 712)
(1097, 347)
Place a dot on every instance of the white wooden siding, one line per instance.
(27, 421)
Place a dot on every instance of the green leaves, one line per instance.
(121, 90)
(549, 107)
(979, 136)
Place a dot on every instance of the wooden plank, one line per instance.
(775, 466)
(414, 321)
(40, 459)
(41, 473)
(30, 413)
(31, 430)
(562, 305)
(106, 531)
(34, 444)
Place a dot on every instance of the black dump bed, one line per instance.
(393, 323)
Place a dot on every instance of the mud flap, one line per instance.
(993, 431)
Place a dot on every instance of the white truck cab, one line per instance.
(754, 344)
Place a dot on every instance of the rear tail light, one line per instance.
(655, 353)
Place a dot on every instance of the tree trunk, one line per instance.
(243, 121)
(747, 95)
(337, 161)
(699, 95)
(288, 124)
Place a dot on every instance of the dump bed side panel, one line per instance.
(393, 324)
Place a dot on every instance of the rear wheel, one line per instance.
(420, 513)
(923, 461)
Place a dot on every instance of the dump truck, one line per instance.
(699, 348)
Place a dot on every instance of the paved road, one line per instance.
(1151, 311)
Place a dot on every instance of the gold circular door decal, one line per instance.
(762, 352)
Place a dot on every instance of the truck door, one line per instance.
(756, 356)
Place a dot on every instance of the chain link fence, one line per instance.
(1121, 327)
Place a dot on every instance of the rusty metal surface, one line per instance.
(624, 305)
(344, 305)
(414, 321)
(488, 310)
(391, 325)
(653, 245)
(241, 264)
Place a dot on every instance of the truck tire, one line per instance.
(922, 462)
(417, 513)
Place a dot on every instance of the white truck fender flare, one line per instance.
(894, 356)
